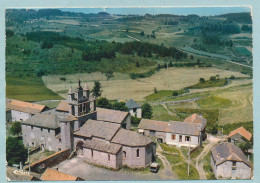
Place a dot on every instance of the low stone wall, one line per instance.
(50, 161)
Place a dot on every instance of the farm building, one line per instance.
(98, 135)
(21, 111)
(191, 132)
(238, 134)
(134, 108)
(228, 161)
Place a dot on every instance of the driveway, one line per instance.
(77, 167)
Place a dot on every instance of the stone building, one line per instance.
(238, 134)
(191, 132)
(134, 108)
(98, 135)
(21, 111)
(228, 161)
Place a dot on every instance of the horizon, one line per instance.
(200, 11)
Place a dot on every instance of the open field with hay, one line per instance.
(122, 87)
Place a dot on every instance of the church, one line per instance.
(99, 136)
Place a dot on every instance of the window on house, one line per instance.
(180, 138)
(92, 152)
(137, 153)
(234, 163)
(108, 157)
(124, 154)
(49, 130)
(59, 149)
(31, 127)
(173, 136)
(187, 138)
(59, 140)
(134, 109)
(33, 144)
(41, 129)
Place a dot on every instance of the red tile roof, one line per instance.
(50, 174)
(26, 106)
(242, 132)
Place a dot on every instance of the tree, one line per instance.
(142, 33)
(119, 106)
(212, 78)
(245, 146)
(96, 91)
(15, 151)
(104, 103)
(191, 57)
(147, 111)
(137, 64)
(170, 64)
(232, 77)
(175, 93)
(135, 120)
(16, 128)
(202, 80)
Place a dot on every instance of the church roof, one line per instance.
(228, 152)
(102, 145)
(26, 106)
(130, 138)
(131, 104)
(111, 115)
(101, 129)
(242, 131)
(63, 106)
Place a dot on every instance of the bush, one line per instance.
(135, 120)
(232, 77)
(202, 80)
(15, 151)
(175, 93)
(104, 103)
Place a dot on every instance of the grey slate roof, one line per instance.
(102, 145)
(171, 127)
(131, 104)
(111, 115)
(99, 129)
(43, 120)
(130, 138)
(228, 152)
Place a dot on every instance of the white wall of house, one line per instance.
(137, 113)
(193, 140)
(20, 116)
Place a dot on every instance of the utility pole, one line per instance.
(189, 162)
(29, 159)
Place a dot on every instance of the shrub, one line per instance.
(147, 111)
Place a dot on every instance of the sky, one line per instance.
(201, 11)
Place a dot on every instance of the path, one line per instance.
(199, 166)
(178, 101)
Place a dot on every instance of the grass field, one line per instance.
(125, 88)
(28, 89)
(160, 113)
(243, 51)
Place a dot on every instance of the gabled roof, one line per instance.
(110, 115)
(63, 106)
(131, 104)
(195, 118)
(43, 120)
(51, 174)
(102, 145)
(26, 107)
(171, 127)
(242, 131)
(228, 152)
(130, 138)
(101, 129)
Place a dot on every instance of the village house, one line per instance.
(228, 161)
(134, 109)
(98, 135)
(238, 134)
(21, 111)
(54, 175)
(191, 132)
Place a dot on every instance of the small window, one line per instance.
(180, 138)
(234, 163)
(134, 109)
(33, 144)
(59, 149)
(108, 157)
(59, 140)
(124, 154)
(49, 130)
(187, 138)
(41, 129)
(92, 152)
(31, 127)
(173, 137)
(137, 153)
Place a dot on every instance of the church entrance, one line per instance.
(79, 148)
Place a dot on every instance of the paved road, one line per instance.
(78, 168)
